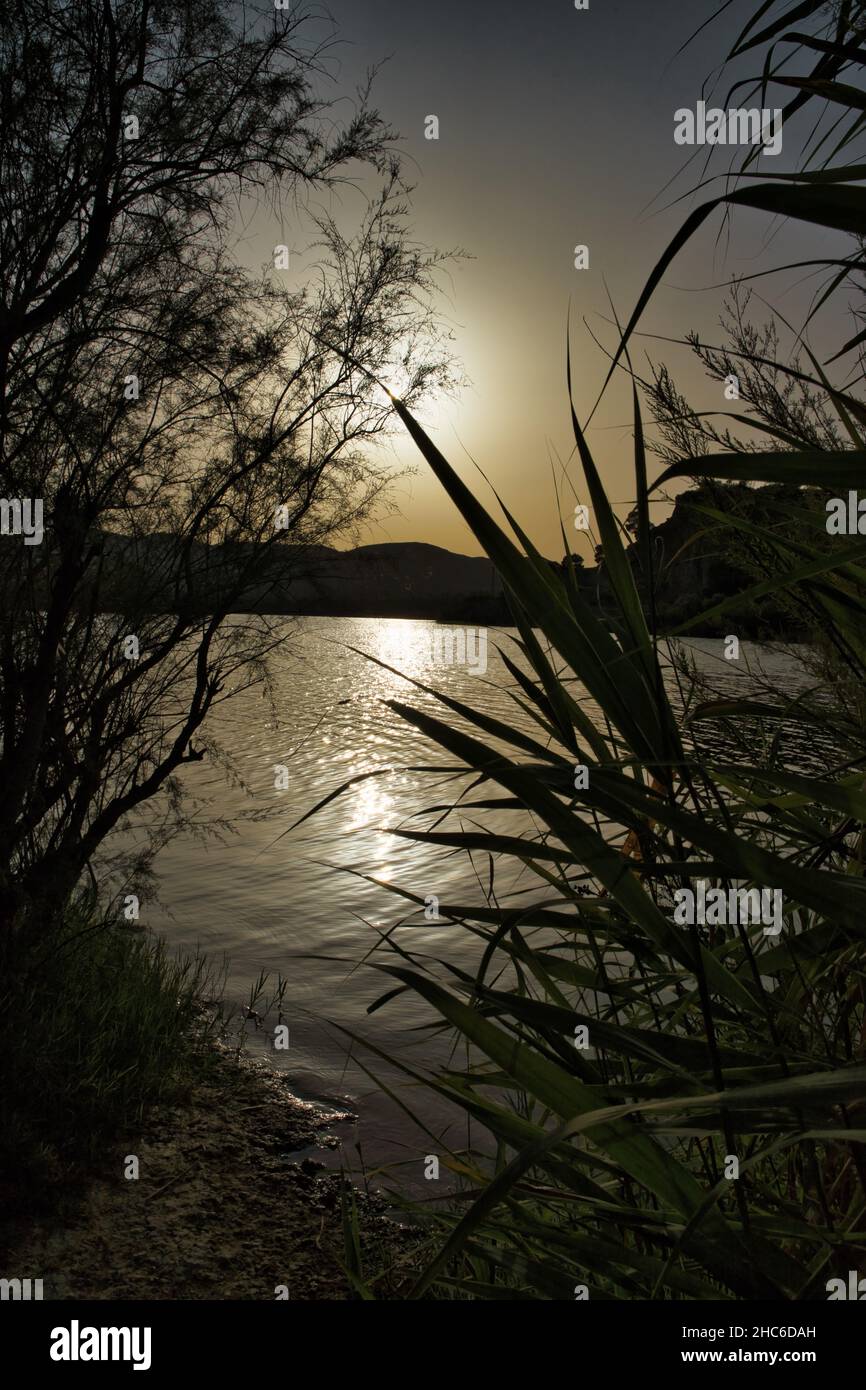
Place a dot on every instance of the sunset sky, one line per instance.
(556, 128)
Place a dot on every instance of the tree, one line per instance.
(187, 428)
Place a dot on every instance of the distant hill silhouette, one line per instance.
(691, 559)
(391, 580)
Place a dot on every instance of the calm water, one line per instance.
(296, 905)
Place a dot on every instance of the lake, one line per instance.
(295, 903)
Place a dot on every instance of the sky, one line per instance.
(556, 129)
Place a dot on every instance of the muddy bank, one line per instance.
(222, 1207)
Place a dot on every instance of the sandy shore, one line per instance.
(222, 1208)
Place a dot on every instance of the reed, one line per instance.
(612, 1161)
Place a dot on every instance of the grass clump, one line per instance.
(98, 1021)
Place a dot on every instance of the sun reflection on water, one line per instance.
(403, 644)
(373, 740)
(371, 804)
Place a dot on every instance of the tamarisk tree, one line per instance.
(189, 427)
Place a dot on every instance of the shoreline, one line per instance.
(221, 1209)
